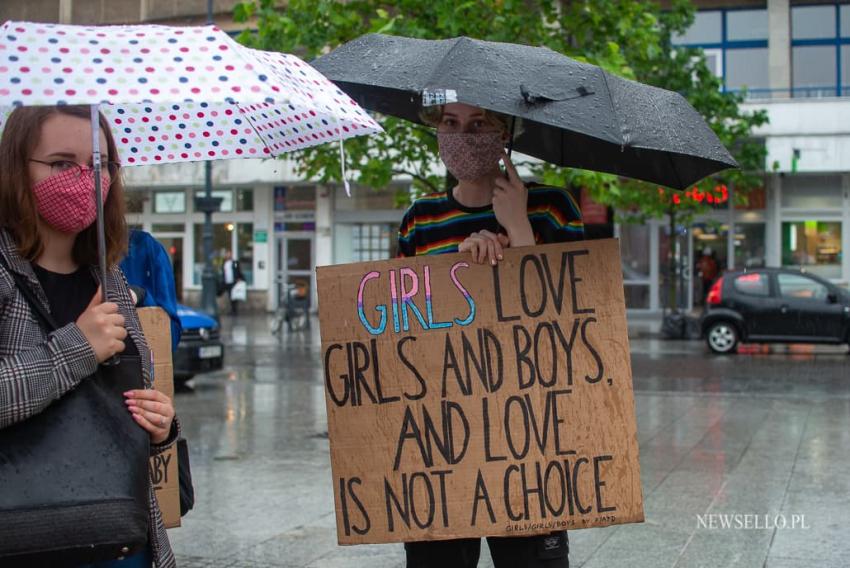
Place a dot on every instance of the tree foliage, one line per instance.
(630, 38)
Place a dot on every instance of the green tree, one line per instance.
(630, 38)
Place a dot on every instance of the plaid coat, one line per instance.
(36, 369)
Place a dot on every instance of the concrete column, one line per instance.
(845, 231)
(323, 245)
(66, 11)
(773, 221)
(654, 271)
(779, 47)
(730, 234)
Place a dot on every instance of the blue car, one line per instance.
(200, 349)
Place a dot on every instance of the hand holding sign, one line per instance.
(485, 246)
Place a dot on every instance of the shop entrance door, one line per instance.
(295, 266)
(174, 248)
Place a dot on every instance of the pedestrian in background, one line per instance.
(231, 275)
(708, 269)
(48, 241)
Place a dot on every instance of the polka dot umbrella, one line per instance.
(175, 94)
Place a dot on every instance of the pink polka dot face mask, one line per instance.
(66, 202)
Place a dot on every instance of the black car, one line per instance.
(200, 348)
(772, 305)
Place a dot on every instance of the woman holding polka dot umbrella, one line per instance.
(78, 104)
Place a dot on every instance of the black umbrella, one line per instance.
(574, 114)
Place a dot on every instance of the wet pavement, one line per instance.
(762, 435)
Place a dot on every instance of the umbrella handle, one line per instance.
(511, 142)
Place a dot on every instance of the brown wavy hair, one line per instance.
(18, 211)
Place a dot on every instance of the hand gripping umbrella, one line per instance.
(174, 94)
(574, 114)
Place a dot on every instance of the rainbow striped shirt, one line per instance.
(437, 223)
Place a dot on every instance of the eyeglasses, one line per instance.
(61, 166)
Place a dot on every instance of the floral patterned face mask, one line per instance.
(469, 155)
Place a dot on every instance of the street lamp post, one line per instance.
(208, 205)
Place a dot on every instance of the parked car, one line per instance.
(200, 348)
(772, 305)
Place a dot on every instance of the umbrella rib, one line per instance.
(623, 140)
(439, 66)
(670, 143)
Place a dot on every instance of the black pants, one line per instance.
(234, 305)
(542, 551)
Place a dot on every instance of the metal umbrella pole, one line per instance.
(98, 194)
(208, 205)
(101, 226)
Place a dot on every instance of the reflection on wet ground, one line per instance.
(762, 435)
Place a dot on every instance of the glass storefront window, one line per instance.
(812, 22)
(169, 202)
(634, 251)
(245, 199)
(845, 67)
(747, 68)
(746, 25)
(814, 246)
(845, 20)
(749, 245)
(372, 241)
(245, 250)
(299, 254)
(637, 296)
(813, 70)
(707, 28)
(221, 242)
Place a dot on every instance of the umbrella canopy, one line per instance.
(174, 94)
(574, 114)
(177, 94)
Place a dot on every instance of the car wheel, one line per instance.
(181, 380)
(722, 337)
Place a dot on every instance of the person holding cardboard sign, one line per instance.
(78, 419)
(486, 212)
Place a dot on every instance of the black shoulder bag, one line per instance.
(74, 480)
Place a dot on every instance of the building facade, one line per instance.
(791, 57)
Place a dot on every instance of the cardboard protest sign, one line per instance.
(163, 467)
(468, 400)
